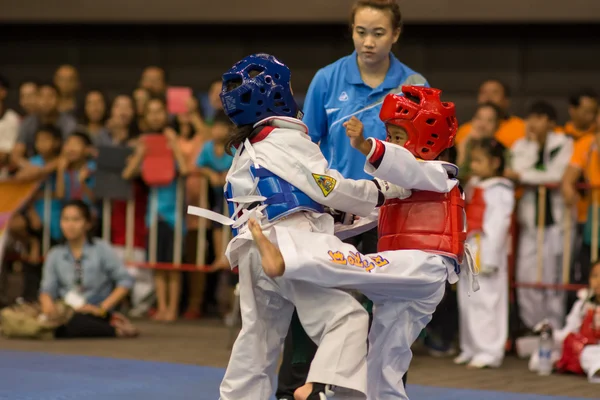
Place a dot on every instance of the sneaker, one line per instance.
(438, 353)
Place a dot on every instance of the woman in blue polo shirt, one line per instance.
(354, 85)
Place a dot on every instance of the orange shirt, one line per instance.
(509, 132)
(570, 130)
(586, 158)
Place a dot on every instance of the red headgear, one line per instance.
(431, 124)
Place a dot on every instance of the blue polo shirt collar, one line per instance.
(394, 74)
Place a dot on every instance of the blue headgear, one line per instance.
(247, 100)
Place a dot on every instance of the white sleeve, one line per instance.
(400, 167)
(554, 169)
(574, 321)
(301, 163)
(499, 205)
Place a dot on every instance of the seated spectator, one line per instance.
(43, 166)
(9, 126)
(511, 128)
(540, 159)
(95, 113)
(214, 162)
(167, 283)
(583, 108)
(577, 348)
(47, 114)
(66, 79)
(28, 91)
(85, 274)
(484, 125)
(74, 177)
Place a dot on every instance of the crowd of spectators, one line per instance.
(53, 134)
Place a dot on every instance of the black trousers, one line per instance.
(299, 349)
(580, 269)
(86, 326)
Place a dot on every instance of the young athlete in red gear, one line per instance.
(421, 237)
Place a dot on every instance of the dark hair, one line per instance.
(575, 98)
(494, 149)
(164, 71)
(390, 6)
(52, 130)
(27, 81)
(237, 136)
(85, 211)
(104, 118)
(49, 85)
(155, 98)
(543, 108)
(505, 87)
(500, 114)
(83, 136)
(449, 155)
(4, 82)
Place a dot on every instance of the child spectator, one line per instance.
(214, 162)
(485, 124)
(43, 166)
(484, 314)
(167, 283)
(75, 172)
(577, 344)
(540, 159)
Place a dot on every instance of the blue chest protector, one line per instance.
(283, 199)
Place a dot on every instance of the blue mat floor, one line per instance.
(40, 376)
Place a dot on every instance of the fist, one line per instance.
(391, 191)
(354, 130)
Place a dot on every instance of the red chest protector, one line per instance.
(475, 210)
(428, 221)
(589, 333)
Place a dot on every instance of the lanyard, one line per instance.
(78, 275)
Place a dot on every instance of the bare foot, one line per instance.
(159, 316)
(170, 316)
(310, 391)
(272, 259)
(303, 392)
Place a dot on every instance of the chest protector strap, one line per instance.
(427, 221)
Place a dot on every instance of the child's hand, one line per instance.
(214, 179)
(354, 130)
(63, 163)
(171, 136)
(512, 175)
(140, 149)
(84, 173)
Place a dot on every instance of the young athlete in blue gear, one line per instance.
(280, 177)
